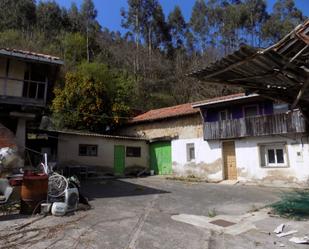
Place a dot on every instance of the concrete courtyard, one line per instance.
(146, 213)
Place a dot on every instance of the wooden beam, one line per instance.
(6, 77)
(45, 90)
(300, 93)
(236, 64)
(299, 53)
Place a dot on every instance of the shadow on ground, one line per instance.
(93, 189)
(15, 216)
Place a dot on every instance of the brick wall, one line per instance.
(7, 137)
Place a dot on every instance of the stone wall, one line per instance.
(181, 127)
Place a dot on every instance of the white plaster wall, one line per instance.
(68, 150)
(16, 71)
(249, 165)
(207, 163)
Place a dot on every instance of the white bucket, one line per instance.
(45, 208)
(152, 172)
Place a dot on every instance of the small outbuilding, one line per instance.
(110, 154)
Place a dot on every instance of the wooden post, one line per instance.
(45, 90)
(6, 77)
(36, 91)
(300, 93)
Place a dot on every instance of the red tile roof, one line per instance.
(167, 112)
(179, 110)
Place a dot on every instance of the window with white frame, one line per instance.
(273, 155)
(190, 152)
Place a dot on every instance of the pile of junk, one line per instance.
(37, 190)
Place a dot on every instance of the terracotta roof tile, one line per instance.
(167, 112)
(179, 110)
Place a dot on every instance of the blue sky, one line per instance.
(109, 10)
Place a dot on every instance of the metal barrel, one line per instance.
(33, 192)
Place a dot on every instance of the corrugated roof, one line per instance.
(279, 72)
(91, 134)
(223, 99)
(163, 113)
(29, 55)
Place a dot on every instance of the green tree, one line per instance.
(17, 14)
(93, 98)
(178, 27)
(255, 15)
(75, 18)
(88, 15)
(199, 24)
(284, 18)
(75, 49)
(49, 18)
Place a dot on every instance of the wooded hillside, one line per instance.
(114, 73)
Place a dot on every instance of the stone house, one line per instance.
(175, 137)
(26, 80)
(235, 137)
(259, 140)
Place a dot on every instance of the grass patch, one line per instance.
(293, 205)
(212, 213)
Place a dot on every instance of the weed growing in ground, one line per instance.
(212, 213)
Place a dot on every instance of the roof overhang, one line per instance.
(97, 135)
(279, 72)
(29, 56)
(224, 101)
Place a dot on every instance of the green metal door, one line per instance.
(119, 159)
(161, 157)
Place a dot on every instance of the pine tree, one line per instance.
(88, 15)
(199, 24)
(284, 18)
(178, 28)
(49, 18)
(17, 14)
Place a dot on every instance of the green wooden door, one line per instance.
(161, 157)
(119, 159)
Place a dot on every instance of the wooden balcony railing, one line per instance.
(23, 92)
(275, 124)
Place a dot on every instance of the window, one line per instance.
(251, 110)
(280, 108)
(190, 152)
(273, 155)
(133, 151)
(88, 150)
(223, 115)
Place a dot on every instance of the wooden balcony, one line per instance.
(275, 124)
(23, 92)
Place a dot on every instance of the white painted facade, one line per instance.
(208, 161)
(249, 166)
(68, 151)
